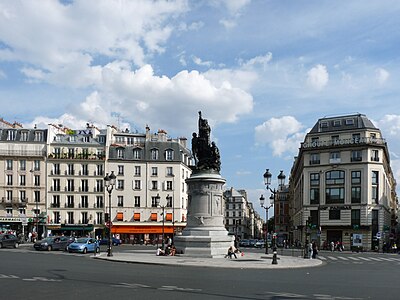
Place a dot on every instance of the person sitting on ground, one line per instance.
(231, 252)
(160, 252)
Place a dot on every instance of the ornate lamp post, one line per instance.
(267, 181)
(262, 201)
(163, 218)
(109, 182)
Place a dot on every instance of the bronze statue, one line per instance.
(206, 155)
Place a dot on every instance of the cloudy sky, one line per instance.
(262, 72)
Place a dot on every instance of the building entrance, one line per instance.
(334, 236)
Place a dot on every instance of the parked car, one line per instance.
(8, 240)
(260, 244)
(53, 243)
(244, 243)
(84, 245)
(115, 241)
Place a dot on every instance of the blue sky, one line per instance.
(262, 72)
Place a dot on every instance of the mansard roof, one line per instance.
(342, 123)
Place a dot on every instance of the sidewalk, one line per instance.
(248, 261)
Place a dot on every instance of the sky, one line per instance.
(262, 72)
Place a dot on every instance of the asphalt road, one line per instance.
(26, 274)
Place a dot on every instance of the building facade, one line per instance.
(241, 219)
(342, 188)
(53, 181)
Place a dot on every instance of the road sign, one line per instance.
(378, 235)
(108, 224)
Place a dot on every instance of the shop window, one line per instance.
(153, 217)
(168, 217)
(136, 217)
(120, 216)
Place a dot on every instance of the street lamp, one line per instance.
(262, 201)
(163, 218)
(267, 181)
(109, 182)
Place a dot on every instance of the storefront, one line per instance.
(71, 229)
(143, 234)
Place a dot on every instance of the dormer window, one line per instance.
(11, 134)
(337, 123)
(169, 154)
(24, 136)
(154, 154)
(137, 153)
(349, 122)
(120, 152)
(38, 136)
(324, 124)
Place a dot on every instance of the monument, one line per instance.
(205, 234)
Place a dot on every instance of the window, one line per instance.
(169, 154)
(99, 201)
(324, 124)
(334, 157)
(334, 214)
(56, 169)
(99, 217)
(154, 185)
(37, 180)
(137, 171)
(9, 166)
(120, 184)
(154, 171)
(153, 217)
(355, 217)
(314, 141)
(136, 217)
(120, 201)
(22, 165)
(38, 136)
(314, 159)
(71, 152)
(56, 201)
(120, 170)
(84, 202)
(356, 137)
(168, 185)
(334, 177)
(337, 123)
(375, 186)
(356, 177)
(24, 136)
(85, 170)
(169, 201)
(84, 185)
(136, 153)
(100, 170)
(170, 171)
(153, 201)
(22, 180)
(334, 195)
(11, 134)
(375, 155)
(154, 154)
(70, 184)
(356, 155)
(120, 153)
(36, 196)
(56, 185)
(22, 195)
(70, 217)
(9, 195)
(334, 139)
(84, 217)
(349, 121)
(355, 194)
(314, 179)
(137, 185)
(71, 169)
(137, 201)
(9, 179)
(56, 217)
(36, 165)
(70, 201)
(314, 195)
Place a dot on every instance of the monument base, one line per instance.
(205, 234)
(204, 243)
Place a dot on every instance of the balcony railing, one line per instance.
(82, 156)
(14, 201)
(22, 153)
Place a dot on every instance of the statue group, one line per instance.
(206, 154)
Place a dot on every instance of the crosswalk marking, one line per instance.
(376, 259)
(354, 258)
(332, 257)
(360, 259)
(343, 258)
(364, 258)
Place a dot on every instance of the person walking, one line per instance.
(314, 249)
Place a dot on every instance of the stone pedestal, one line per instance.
(205, 234)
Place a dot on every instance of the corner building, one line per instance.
(342, 185)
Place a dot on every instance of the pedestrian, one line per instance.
(231, 252)
(314, 249)
(332, 246)
(310, 250)
(30, 237)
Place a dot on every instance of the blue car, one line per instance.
(115, 241)
(84, 245)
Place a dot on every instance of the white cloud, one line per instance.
(281, 134)
(318, 77)
(382, 75)
(262, 60)
(198, 61)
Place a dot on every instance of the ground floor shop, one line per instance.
(145, 234)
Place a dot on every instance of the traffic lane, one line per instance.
(67, 274)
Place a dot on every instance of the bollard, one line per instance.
(274, 257)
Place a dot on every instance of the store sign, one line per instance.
(341, 142)
(2, 219)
